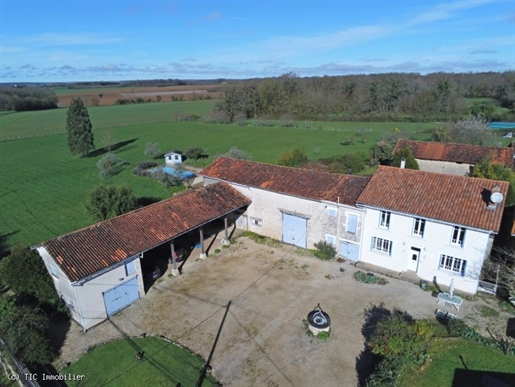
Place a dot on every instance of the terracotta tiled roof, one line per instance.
(454, 199)
(457, 153)
(87, 251)
(292, 181)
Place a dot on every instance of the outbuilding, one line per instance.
(174, 157)
(98, 270)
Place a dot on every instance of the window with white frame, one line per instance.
(331, 212)
(53, 270)
(384, 219)
(382, 245)
(256, 221)
(331, 239)
(458, 236)
(419, 226)
(453, 264)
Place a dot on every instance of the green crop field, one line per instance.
(114, 364)
(43, 187)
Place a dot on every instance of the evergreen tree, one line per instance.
(79, 128)
(405, 153)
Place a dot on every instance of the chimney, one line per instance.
(403, 163)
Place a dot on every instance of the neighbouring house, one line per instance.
(436, 225)
(296, 206)
(174, 157)
(454, 159)
(99, 270)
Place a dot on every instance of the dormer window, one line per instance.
(458, 236)
(384, 219)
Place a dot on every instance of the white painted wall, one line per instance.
(86, 301)
(436, 241)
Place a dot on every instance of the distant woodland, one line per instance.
(27, 98)
(396, 96)
(375, 97)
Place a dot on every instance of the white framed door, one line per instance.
(414, 257)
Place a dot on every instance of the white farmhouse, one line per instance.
(296, 206)
(435, 225)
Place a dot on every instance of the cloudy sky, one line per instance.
(81, 40)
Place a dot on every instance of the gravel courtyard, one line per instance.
(263, 341)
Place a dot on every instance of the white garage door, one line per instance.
(294, 230)
(121, 296)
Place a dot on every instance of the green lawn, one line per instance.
(50, 122)
(114, 364)
(43, 187)
(457, 353)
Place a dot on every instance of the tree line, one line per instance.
(27, 98)
(396, 96)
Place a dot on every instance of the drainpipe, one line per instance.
(80, 308)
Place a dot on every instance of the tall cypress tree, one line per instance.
(78, 126)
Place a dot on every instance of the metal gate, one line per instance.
(349, 251)
(121, 296)
(294, 230)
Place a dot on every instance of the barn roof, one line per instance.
(97, 247)
(291, 181)
(454, 199)
(457, 153)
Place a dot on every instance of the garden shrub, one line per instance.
(385, 373)
(110, 165)
(194, 153)
(165, 178)
(142, 168)
(152, 150)
(325, 251)
(397, 337)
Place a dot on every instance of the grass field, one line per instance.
(51, 122)
(450, 354)
(43, 187)
(114, 364)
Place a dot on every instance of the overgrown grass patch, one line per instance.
(261, 239)
(487, 311)
(115, 363)
(369, 278)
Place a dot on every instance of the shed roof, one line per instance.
(454, 199)
(457, 153)
(97, 247)
(291, 181)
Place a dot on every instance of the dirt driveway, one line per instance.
(263, 341)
